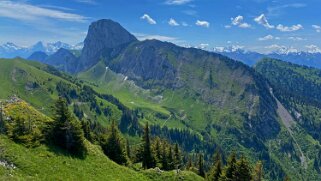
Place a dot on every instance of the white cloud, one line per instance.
(92, 2)
(202, 23)
(313, 49)
(268, 37)
(172, 22)
(27, 12)
(261, 20)
(295, 38)
(177, 2)
(289, 28)
(317, 28)
(227, 26)
(141, 36)
(148, 19)
(281, 49)
(203, 46)
(238, 21)
(184, 24)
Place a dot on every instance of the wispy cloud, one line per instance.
(317, 28)
(238, 21)
(149, 19)
(268, 37)
(289, 28)
(205, 24)
(177, 2)
(27, 12)
(261, 20)
(172, 22)
(313, 49)
(296, 38)
(92, 2)
(142, 36)
(278, 10)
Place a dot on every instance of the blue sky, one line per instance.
(261, 25)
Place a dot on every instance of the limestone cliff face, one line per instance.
(102, 36)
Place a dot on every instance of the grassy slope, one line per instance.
(49, 163)
(293, 79)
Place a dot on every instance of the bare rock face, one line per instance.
(103, 35)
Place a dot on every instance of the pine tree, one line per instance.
(128, 149)
(164, 158)
(113, 147)
(170, 159)
(157, 151)
(201, 171)
(258, 172)
(2, 125)
(148, 159)
(228, 173)
(243, 170)
(66, 131)
(189, 163)
(177, 157)
(216, 170)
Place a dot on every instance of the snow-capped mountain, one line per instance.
(311, 57)
(10, 50)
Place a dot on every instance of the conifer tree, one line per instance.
(189, 163)
(177, 157)
(157, 151)
(113, 147)
(216, 170)
(66, 131)
(258, 172)
(128, 149)
(200, 163)
(170, 159)
(286, 178)
(148, 159)
(228, 173)
(164, 158)
(243, 170)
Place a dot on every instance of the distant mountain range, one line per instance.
(11, 50)
(311, 58)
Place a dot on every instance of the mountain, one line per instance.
(309, 58)
(30, 92)
(10, 50)
(63, 60)
(298, 88)
(103, 36)
(38, 56)
(201, 100)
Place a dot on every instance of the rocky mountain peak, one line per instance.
(103, 34)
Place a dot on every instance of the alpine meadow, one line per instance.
(160, 90)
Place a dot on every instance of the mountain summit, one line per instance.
(103, 35)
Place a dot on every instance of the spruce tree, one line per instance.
(177, 157)
(170, 159)
(228, 173)
(216, 170)
(113, 147)
(189, 163)
(243, 170)
(2, 125)
(66, 131)
(164, 158)
(148, 159)
(200, 163)
(258, 172)
(157, 151)
(128, 149)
